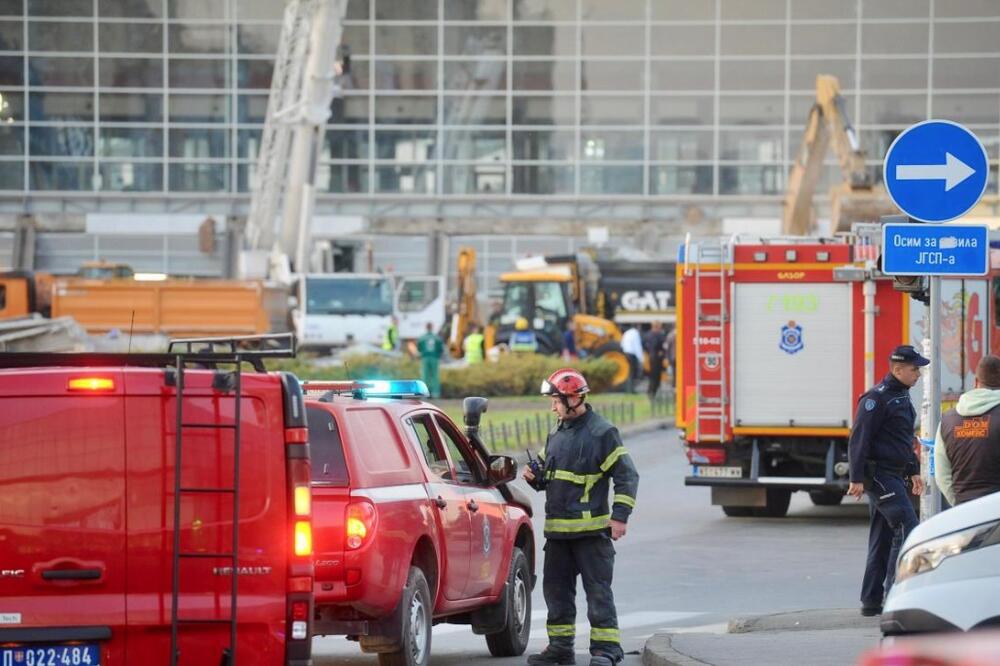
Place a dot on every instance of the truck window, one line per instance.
(549, 297)
(390, 455)
(466, 464)
(516, 302)
(326, 449)
(336, 296)
(422, 430)
(415, 295)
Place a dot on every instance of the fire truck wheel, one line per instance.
(777, 504)
(415, 640)
(512, 640)
(612, 351)
(737, 511)
(825, 497)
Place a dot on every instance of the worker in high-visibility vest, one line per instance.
(523, 340)
(390, 341)
(431, 350)
(473, 346)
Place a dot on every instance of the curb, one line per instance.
(659, 651)
(804, 620)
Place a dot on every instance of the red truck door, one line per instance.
(205, 581)
(486, 514)
(448, 496)
(62, 513)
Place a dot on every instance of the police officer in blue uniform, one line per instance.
(884, 467)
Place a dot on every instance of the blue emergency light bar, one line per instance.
(395, 388)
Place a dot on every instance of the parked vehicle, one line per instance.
(415, 523)
(948, 575)
(338, 309)
(121, 476)
(976, 649)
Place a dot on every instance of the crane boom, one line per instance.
(298, 107)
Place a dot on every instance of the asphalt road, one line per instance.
(684, 564)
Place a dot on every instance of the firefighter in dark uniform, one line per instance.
(580, 455)
(884, 467)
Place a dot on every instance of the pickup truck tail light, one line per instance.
(360, 524)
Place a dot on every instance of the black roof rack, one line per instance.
(252, 349)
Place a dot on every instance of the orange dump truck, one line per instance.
(174, 307)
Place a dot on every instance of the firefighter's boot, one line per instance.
(551, 656)
(601, 660)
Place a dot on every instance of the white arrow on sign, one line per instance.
(952, 172)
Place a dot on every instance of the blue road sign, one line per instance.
(936, 171)
(947, 249)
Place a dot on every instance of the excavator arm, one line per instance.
(854, 198)
(467, 309)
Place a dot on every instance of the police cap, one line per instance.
(907, 354)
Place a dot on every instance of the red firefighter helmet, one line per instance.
(565, 382)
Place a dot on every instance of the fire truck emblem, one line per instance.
(791, 338)
(711, 362)
(486, 537)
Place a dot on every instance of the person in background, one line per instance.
(884, 467)
(473, 346)
(655, 344)
(569, 343)
(632, 346)
(431, 350)
(523, 340)
(390, 340)
(967, 448)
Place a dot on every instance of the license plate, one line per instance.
(723, 472)
(88, 654)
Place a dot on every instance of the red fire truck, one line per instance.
(771, 350)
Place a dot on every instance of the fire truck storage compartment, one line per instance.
(791, 342)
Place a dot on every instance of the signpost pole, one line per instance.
(930, 501)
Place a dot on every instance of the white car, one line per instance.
(948, 574)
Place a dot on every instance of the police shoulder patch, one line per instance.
(869, 404)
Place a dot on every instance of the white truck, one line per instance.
(341, 309)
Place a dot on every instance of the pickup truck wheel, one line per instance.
(417, 615)
(512, 640)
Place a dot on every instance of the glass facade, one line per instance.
(453, 98)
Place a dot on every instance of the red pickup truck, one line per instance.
(414, 524)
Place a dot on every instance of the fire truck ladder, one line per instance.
(711, 316)
(235, 353)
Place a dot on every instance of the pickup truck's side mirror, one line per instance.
(503, 469)
(473, 409)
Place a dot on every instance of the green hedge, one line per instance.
(514, 374)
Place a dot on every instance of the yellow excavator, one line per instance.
(857, 198)
(591, 294)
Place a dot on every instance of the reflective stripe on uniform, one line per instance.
(613, 457)
(626, 500)
(587, 480)
(561, 630)
(576, 524)
(611, 635)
